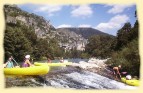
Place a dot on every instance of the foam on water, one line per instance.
(81, 79)
(97, 81)
(86, 80)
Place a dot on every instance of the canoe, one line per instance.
(52, 64)
(132, 82)
(33, 70)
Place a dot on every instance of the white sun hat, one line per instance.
(27, 56)
(128, 77)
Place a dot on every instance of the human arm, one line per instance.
(5, 64)
(119, 73)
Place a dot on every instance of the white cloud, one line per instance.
(50, 9)
(114, 23)
(64, 25)
(84, 25)
(118, 8)
(82, 11)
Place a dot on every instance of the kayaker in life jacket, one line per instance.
(116, 72)
(9, 63)
(26, 61)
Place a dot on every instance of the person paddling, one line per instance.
(116, 72)
(26, 61)
(9, 63)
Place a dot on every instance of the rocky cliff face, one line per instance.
(13, 14)
(71, 40)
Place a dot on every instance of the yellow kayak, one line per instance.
(52, 64)
(33, 70)
(132, 82)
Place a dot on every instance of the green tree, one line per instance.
(100, 46)
(135, 31)
(16, 44)
(123, 36)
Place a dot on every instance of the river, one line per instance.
(67, 77)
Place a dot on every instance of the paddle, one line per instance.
(15, 61)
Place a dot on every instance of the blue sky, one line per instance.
(104, 17)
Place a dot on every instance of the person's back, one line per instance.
(116, 71)
(115, 68)
(9, 63)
